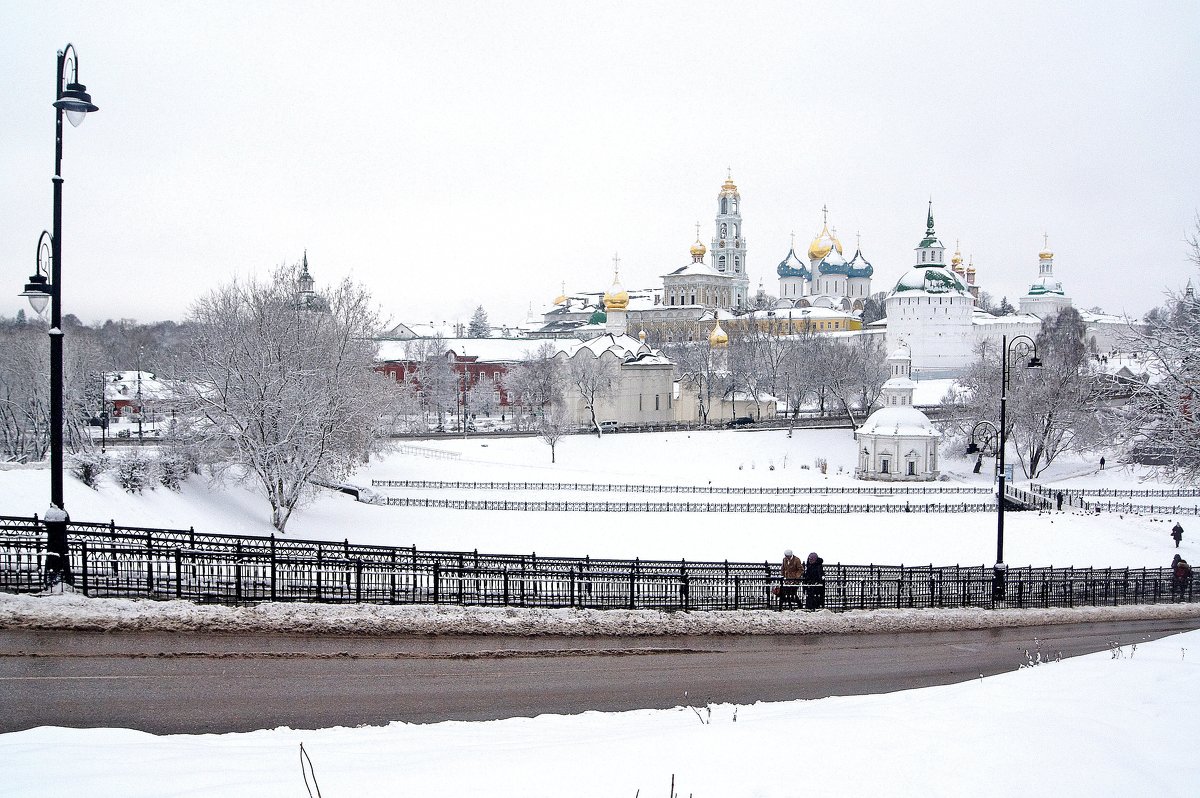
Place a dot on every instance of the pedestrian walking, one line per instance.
(1177, 533)
(814, 582)
(1101, 463)
(1058, 498)
(793, 572)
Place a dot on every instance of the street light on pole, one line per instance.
(1024, 345)
(72, 99)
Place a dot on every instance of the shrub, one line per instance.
(134, 471)
(88, 466)
(173, 468)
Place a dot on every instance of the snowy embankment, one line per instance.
(67, 611)
(1102, 724)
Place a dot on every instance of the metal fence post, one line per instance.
(83, 554)
(178, 573)
(358, 581)
(273, 594)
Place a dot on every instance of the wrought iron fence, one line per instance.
(110, 560)
(684, 507)
(592, 487)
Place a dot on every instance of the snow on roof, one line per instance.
(491, 350)
(125, 385)
(901, 421)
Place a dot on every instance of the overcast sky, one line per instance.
(456, 154)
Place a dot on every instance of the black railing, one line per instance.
(110, 560)
(1076, 498)
(685, 507)
(593, 487)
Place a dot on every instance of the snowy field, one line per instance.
(1115, 717)
(722, 458)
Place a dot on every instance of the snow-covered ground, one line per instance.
(722, 458)
(1095, 725)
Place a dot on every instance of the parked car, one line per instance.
(741, 421)
(608, 426)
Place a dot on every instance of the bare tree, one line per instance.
(439, 383)
(1050, 410)
(553, 425)
(1161, 422)
(281, 395)
(535, 382)
(593, 379)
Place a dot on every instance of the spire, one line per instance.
(929, 221)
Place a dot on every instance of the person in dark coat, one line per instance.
(1059, 498)
(1177, 533)
(814, 582)
(793, 572)
(1181, 576)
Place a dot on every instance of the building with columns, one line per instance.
(897, 443)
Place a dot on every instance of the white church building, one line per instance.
(897, 443)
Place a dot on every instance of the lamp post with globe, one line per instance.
(73, 100)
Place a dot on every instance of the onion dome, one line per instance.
(728, 188)
(792, 266)
(718, 337)
(859, 266)
(563, 296)
(823, 244)
(698, 251)
(617, 298)
(642, 336)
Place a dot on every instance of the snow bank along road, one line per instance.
(189, 680)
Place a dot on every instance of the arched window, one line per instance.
(724, 205)
(721, 263)
(724, 230)
(737, 265)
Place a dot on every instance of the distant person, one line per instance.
(793, 572)
(814, 582)
(1101, 463)
(978, 464)
(1177, 533)
(1058, 498)
(1181, 577)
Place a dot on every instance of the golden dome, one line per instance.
(729, 188)
(823, 244)
(957, 259)
(1045, 254)
(718, 337)
(561, 299)
(642, 336)
(698, 249)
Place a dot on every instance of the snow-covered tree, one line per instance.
(478, 328)
(553, 425)
(1050, 410)
(535, 382)
(439, 384)
(282, 395)
(592, 379)
(1162, 418)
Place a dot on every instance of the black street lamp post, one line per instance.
(72, 99)
(1025, 346)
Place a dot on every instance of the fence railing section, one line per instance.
(108, 560)
(1165, 493)
(1076, 498)
(592, 487)
(685, 507)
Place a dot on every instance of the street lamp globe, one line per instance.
(77, 103)
(37, 291)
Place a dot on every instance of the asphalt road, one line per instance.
(198, 683)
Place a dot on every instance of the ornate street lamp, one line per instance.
(72, 99)
(1022, 346)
